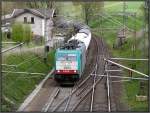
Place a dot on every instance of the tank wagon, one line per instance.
(70, 59)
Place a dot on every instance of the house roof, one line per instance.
(42, 13)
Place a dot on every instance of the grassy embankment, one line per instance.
(31, 44)
(16, 87)
(132, 88)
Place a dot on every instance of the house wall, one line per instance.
(38, 26)
(48, 37)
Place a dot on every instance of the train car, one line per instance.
(70, 59)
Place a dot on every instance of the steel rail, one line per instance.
(86, 94)
(50, 101)
(81, 91)
(126, 67)
(108, 89)
(94, 80)
(93, 91)
(68, 102)
(61, 102)
(96, 67)
(12, 48)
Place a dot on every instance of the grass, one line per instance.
(31, 44)
(16, 87)
(69, 11)
(132, 89)
(132, 6)
(114, 22)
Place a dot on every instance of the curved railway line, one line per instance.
(88, 94)
(76, 94)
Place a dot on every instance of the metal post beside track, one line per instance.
(108, 88)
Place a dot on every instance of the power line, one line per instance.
(23, 73)
(12, 48)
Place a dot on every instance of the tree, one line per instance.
(41, 4)
(21, 32)
(27, 34)
(17, 32)
(90, 9)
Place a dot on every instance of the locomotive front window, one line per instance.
(66, 57)
(71, 58)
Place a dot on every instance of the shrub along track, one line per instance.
(52, 97)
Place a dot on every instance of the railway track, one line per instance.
(88, 94)
(69, 99)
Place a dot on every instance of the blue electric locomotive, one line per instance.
(70, 61)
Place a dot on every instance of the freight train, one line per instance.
(70, 59)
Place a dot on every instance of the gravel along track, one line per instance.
(88, 94)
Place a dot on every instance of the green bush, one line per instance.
(17, 32)
(27, 34)
(21, 32)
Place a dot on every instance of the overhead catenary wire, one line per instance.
(18, 45)
(9, 42)
(23, 73)
(8, 65)
(106, 16)
(27, 60)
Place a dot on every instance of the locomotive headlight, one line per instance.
(58, 71)
(75, 71)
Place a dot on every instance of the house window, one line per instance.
(25, 19)
(32, 20)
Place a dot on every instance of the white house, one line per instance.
(40, 20)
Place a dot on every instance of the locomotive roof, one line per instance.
(72, 44)
(86, 31)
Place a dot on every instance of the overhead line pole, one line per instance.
(148, 6)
